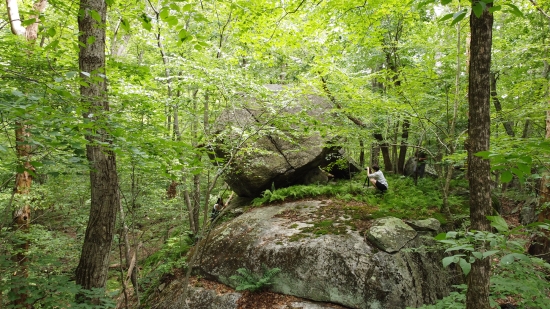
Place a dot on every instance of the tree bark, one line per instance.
(540, 245)
(403, 147)
(22, 216)
(361, 153)
(105, 199)
(479, 176)
(385, 151)
(23, 180)
(508, 125)
(14, 18)
(374, 154)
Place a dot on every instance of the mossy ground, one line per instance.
(352, 207)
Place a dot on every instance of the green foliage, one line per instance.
(172, 255)
(49, 283)
(248, 281)
(455, 300)
(516, 274)
(404, 199)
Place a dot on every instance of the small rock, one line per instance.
(161, 287)
(430, 224)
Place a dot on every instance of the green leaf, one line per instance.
(506, 176)
(478, 255)
(499, 223)
(495, 8)
(507, 259)
(90, 40)
(445, 17)
(125, 25)
(36, 163)
(445, 2)
(447, 261)
(187, 7)
(489, 253)
(164, 13)
(483, 154)
(452, 234)
(514, 10)
(51, 32)
(466, 267)
(172, 21)
(3, 149)
(524, 168)
(28, 22)
(52, 45)
(441, 236)
(95, 15)
(146, 25)
(478, 9)
(184, 35)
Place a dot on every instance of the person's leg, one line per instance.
(373, 181)
(380, 187)
(421, 170)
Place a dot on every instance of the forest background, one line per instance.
(395, 71)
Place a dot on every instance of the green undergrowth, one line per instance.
(404, 199)
(172, 255)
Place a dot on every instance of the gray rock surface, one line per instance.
(430, 224)
(342, 269)
(390, 234)
(171, 297)
(281, 148)
(204, 298)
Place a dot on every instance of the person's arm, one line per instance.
(368, 172)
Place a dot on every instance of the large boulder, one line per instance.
(276, 145)
(324, 258)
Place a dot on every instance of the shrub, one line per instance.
(248, 281)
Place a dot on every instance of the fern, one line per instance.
(248, 281)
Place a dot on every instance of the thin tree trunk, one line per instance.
(403, 147)
(508, 125)
(196, 177)
(92, 268)
(477, 296)
(361, 153)
(385, 152)
(541, 244)
(526, 128)
(22, 216)
(452, 146)
(23, 180)
(375, 154)
(394, 156)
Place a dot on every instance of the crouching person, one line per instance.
(376, 177)
(218, 207)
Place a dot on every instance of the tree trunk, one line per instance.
(374, 154)
(394, 146)
(105, 199)
(508, 125)
(23, 180)
(361, 153)
(385, 152)
(403, 147)
(541, 244)
(22, 216)
(479, 175)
